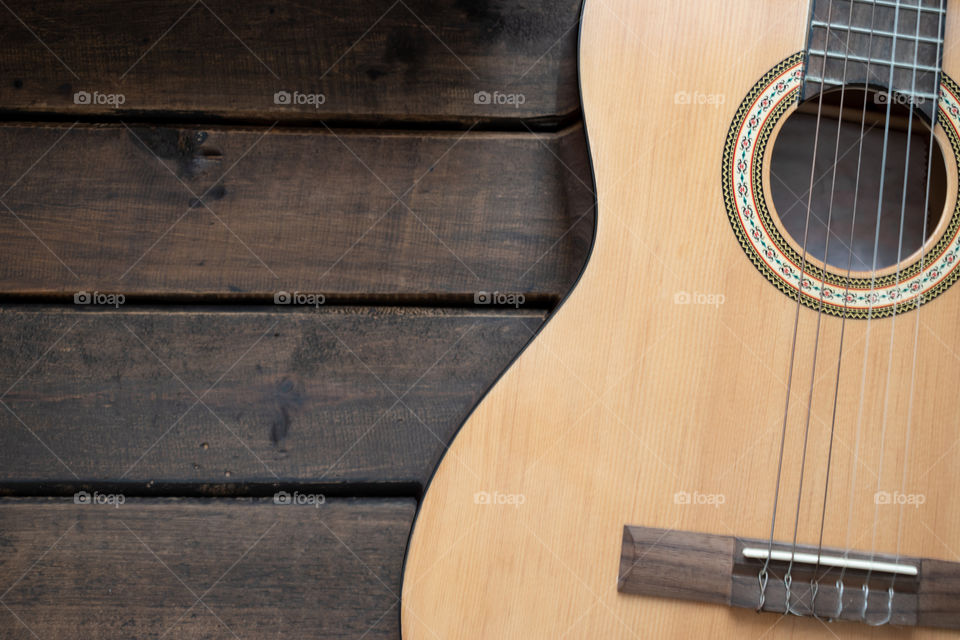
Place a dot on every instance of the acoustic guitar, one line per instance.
(744, 421)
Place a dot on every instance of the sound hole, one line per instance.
(790, 169)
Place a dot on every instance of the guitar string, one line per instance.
(893, 319)
(919, 299)
(856, 193)
(876, 244)
(764, 571)
(815, 580)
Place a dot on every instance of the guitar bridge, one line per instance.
(874, 589)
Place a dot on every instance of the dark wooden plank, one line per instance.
(115, 209)
(201, 568)
(289, 395)
(383, 59)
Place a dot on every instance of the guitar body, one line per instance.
(631, 407)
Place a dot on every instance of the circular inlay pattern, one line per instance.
(916, 283)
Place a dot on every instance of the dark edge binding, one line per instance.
(586, 264)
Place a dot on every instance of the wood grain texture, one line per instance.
(710, 568)
(246, 212)
(676, 564)
(627, 402)
(379, 59)
(201, 568)
(214, 400)
(937, 597)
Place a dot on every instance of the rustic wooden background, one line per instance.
(198, 198)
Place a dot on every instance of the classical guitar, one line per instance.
(744, 421)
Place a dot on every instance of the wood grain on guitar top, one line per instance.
(633, 408)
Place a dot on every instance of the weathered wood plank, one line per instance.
(211, 401)
(201, 568)
(381, 59)
(241, 212)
